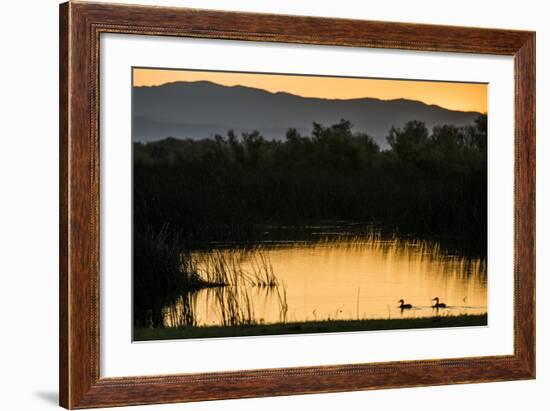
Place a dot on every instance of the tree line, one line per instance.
(428, 182)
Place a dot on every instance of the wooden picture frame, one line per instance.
(80, 27)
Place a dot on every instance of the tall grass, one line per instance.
(219, 267)
(167, 279)
(182, 311)
(283, 304)
(158, 275)
(234, 306)
(240, 270)
(163, 273)
(236, 266)
(261, 273)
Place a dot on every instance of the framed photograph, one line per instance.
(258, 205)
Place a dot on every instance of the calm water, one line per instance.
(344, 279)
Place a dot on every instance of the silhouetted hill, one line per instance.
(202, 109)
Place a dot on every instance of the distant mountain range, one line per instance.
(202, 109)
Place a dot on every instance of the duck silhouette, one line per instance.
(438, 304)
(404, 306)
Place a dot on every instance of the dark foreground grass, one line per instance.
(147, 334)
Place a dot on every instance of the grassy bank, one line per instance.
(146, 334)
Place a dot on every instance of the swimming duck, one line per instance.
(404, 306)
(438, 304)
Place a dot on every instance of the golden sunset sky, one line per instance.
(454, 96)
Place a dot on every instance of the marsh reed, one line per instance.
(228, 276)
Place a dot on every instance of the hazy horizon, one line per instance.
(465, 97)
(316, 98)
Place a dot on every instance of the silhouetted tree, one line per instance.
(223, 187)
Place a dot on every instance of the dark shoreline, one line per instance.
(149, 334)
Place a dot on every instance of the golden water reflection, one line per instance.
(356, 279)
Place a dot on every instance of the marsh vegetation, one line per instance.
(246, 232)
(229, 188)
